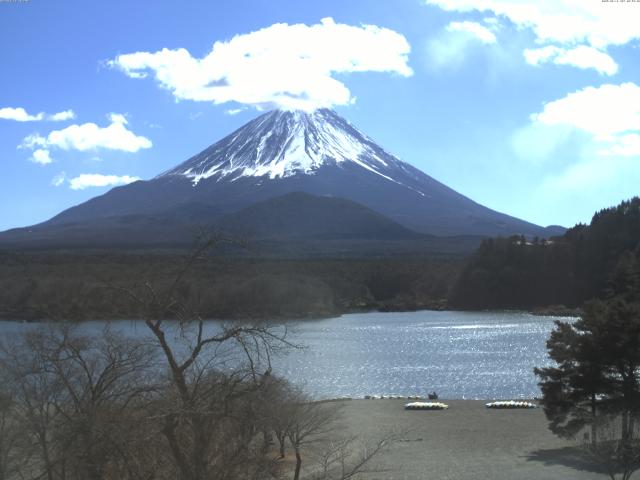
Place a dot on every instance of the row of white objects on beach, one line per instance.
(393, 397)
(444, 406)
(426, 406)
(511, 404)
(421, 405)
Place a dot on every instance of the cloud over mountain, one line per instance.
(288, 66)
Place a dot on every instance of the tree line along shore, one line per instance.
(554, 276)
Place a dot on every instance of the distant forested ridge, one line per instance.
(80, 286)
(582, 264)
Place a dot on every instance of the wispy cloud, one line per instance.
(89, 180)
(19, 114)
(477, 30)
(579, 31)
(234, 111)
(451, 46)
(581, 57)
(59, 179)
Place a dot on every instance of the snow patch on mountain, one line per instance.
(282, 144)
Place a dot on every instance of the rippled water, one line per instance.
(458, 354)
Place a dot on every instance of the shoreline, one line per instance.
(542, 312)
(457, 401)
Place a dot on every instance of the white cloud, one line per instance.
(62, 116)
(33, 141)
(41, 156)
(579, 30)
(606, 118)
(58, 179)
(290, 66)
(581, 56)
(479, 31)
(88, 180)
(87, 136)
(117, 118)
(234, 111)
(19, 114)
(593, 22)
(605, 111)
(450, 48)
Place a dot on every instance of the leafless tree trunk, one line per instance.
(210, 372)
(344, 458)
(309, 422)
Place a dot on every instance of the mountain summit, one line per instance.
(279, 153)
(282, 144)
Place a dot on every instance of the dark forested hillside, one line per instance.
(90, 286)
(580, 265)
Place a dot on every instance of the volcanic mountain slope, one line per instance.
(278, 153)
(302, 216)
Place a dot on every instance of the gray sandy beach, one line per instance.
(467, 441)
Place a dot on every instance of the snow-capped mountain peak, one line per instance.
(282, 144)
(268, 169)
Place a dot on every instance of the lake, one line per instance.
(460, 355)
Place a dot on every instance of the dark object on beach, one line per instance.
(433, 396)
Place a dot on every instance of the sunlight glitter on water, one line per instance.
(482, 355)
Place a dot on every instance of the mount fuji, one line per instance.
(282, 176)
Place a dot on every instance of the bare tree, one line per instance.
(14, 451)
(212, 375)
(309, 423)
(346, 458)
(192, 400)
(279, 398)
(77, 397)
(34, 394)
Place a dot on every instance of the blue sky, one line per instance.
(528, 107)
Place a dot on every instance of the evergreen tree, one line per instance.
(596, 381)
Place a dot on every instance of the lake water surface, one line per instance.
(473, 355)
